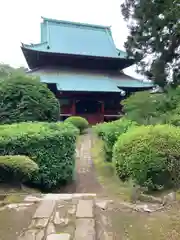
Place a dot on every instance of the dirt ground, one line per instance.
(12, 222)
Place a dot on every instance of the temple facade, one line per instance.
(83, 68)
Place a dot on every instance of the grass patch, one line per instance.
(13, 198)
(106, 175)
(15, 193)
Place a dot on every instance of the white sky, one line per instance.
(20, 22)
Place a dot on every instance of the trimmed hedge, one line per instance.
(79, 122)
(17, 168)
(100, 128)
(149, 155)
(25, 98)
(50, 145)
(110, 132)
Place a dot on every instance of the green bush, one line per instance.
(24, 98)
(50, 145)
(150, 109)
(173, 119)
(100, 128)
(79, 122)
(110, 132)
(145, 108)
(149, 155)
(17, 168)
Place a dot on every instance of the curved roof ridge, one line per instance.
(34, 44)
(134, 78)
(76, 23)
(111, 40)
(124, 80)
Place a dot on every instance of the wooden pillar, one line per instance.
(102, 107)
(102, 111)
(73, 107)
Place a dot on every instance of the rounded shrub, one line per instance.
(50, 145)
(110, 132)
(100, 128)
(25, 98)
(79, 122)
(149, 155)
(17, 168)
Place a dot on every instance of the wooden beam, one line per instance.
(73, 107)
(102, 107)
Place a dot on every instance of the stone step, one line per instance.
(59, 213)
(85, 209)
(45, 209)
(85, 229)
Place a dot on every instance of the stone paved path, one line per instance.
(59, 217)
(81, 216)
(85, 178)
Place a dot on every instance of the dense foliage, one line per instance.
(7, 71)
(149, 155)
(50, 145)
(110, 132)
(154, 38)
(79, 122)
(146, 108)
(24, 98)
(17, 169)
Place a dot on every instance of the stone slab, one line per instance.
(50, 229)
(56, 197)
(45, 209)
(58, 220)
(61, 236)
(40, 235)
(31, 198)
(72, 210)
(19, 206)
(28, 235)
(42, 223)
(85, 229)
(84, 209)
(102, 204)
(81, 195)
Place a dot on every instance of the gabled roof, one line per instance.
(124, 81)
(86, 81)
(79, 81)
(76, 38)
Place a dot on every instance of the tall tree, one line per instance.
(154, 39)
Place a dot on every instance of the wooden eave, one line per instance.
(37, 59)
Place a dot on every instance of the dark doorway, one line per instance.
(87, 106)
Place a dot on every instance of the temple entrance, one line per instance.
(89, 109)
(87, 106)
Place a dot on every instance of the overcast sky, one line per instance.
(20, 22)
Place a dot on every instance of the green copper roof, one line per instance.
(76, 38)
(124, 81)
(74, 80)
(77, 81)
